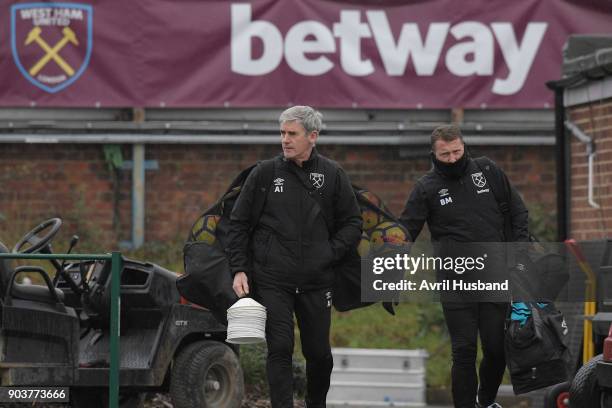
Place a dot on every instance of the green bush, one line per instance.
(542, 223)
(253, 362)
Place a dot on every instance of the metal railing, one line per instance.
(116, 265)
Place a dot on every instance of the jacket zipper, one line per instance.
(300, 232)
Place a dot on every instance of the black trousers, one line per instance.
(313, 314)
(464, 321)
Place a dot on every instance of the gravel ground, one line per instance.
(250, 401)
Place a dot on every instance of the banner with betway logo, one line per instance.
(272, 53)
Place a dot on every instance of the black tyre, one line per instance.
(206, 374)
(557, 396)
(585, 392)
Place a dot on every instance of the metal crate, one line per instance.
(377, 377)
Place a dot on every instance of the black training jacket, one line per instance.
(462, 210)
(297, 238)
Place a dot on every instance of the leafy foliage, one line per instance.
(542, 223)
(253, 362)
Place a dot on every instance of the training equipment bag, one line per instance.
(536, 349)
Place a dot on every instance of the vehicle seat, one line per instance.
(36, 293)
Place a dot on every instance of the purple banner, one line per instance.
(271, 53)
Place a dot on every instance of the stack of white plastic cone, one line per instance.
(246, 322)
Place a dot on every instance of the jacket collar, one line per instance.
(309, 164)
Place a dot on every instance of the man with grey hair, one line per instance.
(284, 258)
(459, 205)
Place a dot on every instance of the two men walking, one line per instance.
(284, 256)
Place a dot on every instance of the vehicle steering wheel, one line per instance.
(35, 241)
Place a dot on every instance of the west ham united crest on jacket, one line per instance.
(317, 179)
(51, 42)
(480, 181)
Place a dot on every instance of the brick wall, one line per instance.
(74, 182)
(587, 222)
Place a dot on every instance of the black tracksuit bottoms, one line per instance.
(313, 314)
(464, 321)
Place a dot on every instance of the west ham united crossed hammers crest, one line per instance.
(51, 42)
(317, 179)
(479, 180)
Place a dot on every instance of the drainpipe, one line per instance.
(138, 195)
(562, 168)
(590, 150)
(138, 186)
